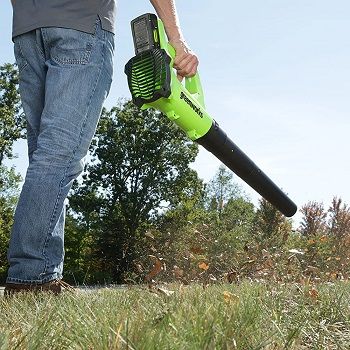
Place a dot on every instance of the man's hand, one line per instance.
(186, 61)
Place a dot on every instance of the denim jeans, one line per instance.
(64, 78)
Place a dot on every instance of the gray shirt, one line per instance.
(74, 14)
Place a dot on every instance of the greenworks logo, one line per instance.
(191, 104)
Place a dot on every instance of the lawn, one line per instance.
(250, 315)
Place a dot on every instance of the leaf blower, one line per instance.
(153, 84)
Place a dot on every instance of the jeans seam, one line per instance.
(41, 53)
(47, 238)
(43, 34)
(23, 281)
(25, 63)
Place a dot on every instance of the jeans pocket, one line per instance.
(70, 46)
(20, 59)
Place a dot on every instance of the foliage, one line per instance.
(140, 164)
(314, 219)
(258, 245)
(220, 189)
(12, 125)
(11, 129)
(271, 228)
(9, 183)
(339, 218)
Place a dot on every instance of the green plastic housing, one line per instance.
(154, 84)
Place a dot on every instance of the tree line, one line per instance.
(139, 212)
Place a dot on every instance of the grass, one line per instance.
(248, 316)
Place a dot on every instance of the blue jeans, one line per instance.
(65, 76)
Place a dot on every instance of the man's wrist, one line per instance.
(174, 33)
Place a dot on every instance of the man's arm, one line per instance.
(186, 61)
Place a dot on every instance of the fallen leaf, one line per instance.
(196, 250)
(203, 266)
(230, 297)
(268, 263)
(212, 278)
(149, 234)
(265, 253)
(296, 251)
(139, 268)
(313, 293)
(232, 276)
(164, 291)
(334, 275)
(157, 268)
(178, 272)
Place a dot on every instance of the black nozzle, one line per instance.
(217, 142)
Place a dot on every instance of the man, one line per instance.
(64, 52)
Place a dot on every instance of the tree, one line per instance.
(339, 218)
(11, 129)
(140, 165)
(9, 185)
(12, 125)
(271, 228)
(314, 219)
(238, 213)
(221, 189)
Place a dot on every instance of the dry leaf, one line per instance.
(212, 278)
(265, 253)
(178, 272)
(164, 291)
(139, 268)
(313, 293)
(268, 263)
(149, 234)
(230, 297)
(153, 249)
(196, 250)
(203, 266)
(157, 268)
(232, 276)
(313, 269)
(296, 251)
(333, 275)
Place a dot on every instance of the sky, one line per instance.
(276, 77)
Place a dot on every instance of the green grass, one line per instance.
(246, 316)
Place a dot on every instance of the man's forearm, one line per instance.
(166, 11)
(186, 61)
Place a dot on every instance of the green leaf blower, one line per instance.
(153, 84)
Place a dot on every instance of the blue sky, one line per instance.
(276, 76)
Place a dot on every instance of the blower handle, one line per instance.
(192, 84)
